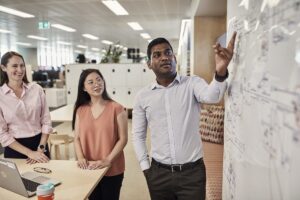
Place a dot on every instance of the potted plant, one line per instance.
(112, 54)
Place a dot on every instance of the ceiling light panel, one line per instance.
(23, 44)
(106, 42)
(89, 36)
(37, 37)
(135, 26)
(95, 49)
(63, 27)
(4, 31)
(145, 35)
(64, 43)
(115, 7)
(82, 46)
(15, 12)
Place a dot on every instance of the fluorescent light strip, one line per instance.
(135, 26)
(145, 35)
(89, 36)
(63, 27)
(37, 37)
(81, 46)
(23, 44)
(64, 43)
(4, 31)
(115, 7)
(15, 12)
(95, 49)
(106, 42)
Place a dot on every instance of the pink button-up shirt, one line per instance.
(23, 117)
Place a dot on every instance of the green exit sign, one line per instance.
(44, 25)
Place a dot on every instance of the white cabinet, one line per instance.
(123, 81)
(55, 97)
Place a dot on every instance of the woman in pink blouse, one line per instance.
(25, 121)
(100, 134)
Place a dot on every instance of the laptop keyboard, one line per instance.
(30, 185)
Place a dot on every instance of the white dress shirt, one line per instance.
(172, 114)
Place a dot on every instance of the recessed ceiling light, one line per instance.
(4, 31)
(95, 49)
(15, 12)
(63, 27)
(82, 46)
(135, 26)
(65, 43)
(36, 37)
(145, 35)
(115, 7)
(106, 42)
(89, 36)
(23, 44)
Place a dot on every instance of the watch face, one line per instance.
(41, 146)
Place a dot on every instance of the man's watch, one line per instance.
(221, 78)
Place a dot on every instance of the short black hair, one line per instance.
(155, 42)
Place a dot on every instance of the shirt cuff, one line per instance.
(7, 142)
(145, 164)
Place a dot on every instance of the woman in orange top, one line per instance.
(100, 126)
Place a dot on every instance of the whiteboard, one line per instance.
(262, 115)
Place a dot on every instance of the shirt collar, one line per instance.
(155, 85)
(7, 89)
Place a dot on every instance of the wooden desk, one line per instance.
(76, 183)
(63, 114)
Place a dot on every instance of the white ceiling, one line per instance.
(159, 18)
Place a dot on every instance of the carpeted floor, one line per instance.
(213, 158)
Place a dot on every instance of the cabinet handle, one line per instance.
(128, 70)
(113, 70)
(144, 70)
(69, 92)
(68, 70)
(114, 92)
(129, 92)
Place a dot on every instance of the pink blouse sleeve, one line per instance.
(45, 114)
(5, 138)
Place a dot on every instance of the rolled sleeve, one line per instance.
(212, 93)
(45, 115)
(5, 138)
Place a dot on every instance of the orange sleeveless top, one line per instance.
(99, 136)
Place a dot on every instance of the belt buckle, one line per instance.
(176, 168)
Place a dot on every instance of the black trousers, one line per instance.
(108, 188)
(31, 143)
(188, 184)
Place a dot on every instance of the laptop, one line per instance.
(25, 184)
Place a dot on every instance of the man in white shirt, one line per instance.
(170, 107)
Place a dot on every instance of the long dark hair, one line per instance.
(4, 60)
(83, 97)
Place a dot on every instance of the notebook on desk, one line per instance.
(25, 184)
